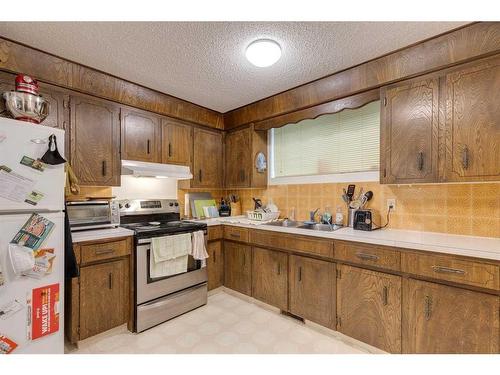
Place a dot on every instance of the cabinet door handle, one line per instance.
(279, 268)
(103, 168)
(244, 260)
(385, 296)
(214, 257)
(235, 235)
(420, 161)
(149, 146)
(465, 157)
(110, 280)
(169, 150)
(300, 273)
(242, 175)
(199, 175)
(104, 251)
(428, 307)
(366, 256)
(440, 269)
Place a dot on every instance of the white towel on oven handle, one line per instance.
(199, 252)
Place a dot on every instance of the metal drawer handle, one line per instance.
(465, 157)
(235, 235)
(440, 269)
(420, 161)
(366, 256)
(104, 251)
(428, 307)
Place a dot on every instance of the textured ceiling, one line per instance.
(204, 62)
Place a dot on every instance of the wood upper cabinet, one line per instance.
(207, 159)
(238, 158)
(445, 319)
(95, 141)
(312, 290)
(242, 147)
(103, 297)
(270, 277)
(473, 122)
(238, 267)
(215, 265)
(409, 131)
(177, 142)
(141, 134)
(369, 307)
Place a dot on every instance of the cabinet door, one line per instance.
(140, 136)
(369, 307)
(215, 265)
(103, 297)
(270, 277)
(445, 319)
(238, 267)
(238, 158)
(95, 141)
(207, 163)
(409, 132)
(473, 122)
(312, 290)
(177, 142)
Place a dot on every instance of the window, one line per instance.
(339, 147)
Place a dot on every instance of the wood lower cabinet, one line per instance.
(409, 127)
(473, 122)
(369, 307)
(270, 277)
(141, 136)
(95, 141)
(445, 319)
(215, 264)
(177, 142)
(238, 267)
(103, 297)
(312, 290)
(207, 159)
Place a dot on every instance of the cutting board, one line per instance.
(200, 203)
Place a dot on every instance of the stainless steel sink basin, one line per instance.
(319, 227)
(285, 223)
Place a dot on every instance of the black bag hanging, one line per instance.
(52, 156)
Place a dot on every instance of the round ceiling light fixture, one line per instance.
(263, 52)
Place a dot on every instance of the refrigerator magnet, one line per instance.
(43, 311)
(7, 346)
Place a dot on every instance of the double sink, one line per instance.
(305, 225)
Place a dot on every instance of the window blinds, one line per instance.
(343, 142)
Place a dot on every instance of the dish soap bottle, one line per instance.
(339, 216)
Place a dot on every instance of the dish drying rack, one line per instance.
(260, 215)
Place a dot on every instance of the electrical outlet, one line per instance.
(391, 203)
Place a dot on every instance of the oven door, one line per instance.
(149, 288)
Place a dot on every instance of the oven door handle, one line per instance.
(168, 298)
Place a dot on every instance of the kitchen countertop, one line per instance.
(100, 234)
(472, 246)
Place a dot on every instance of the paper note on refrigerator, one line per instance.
(34, 232)
(13, 186)
(43, 311)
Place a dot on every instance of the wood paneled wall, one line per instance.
(16, 58)
(468, 43)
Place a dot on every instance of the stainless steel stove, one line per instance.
(158, 299)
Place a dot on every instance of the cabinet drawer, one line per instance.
(105, 250)
(294, 243)
(236, 234)
(370, 255)
(452, 269)
(215, 233)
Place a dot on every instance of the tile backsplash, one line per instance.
(469, 209)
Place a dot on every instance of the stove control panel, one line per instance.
(147, 206)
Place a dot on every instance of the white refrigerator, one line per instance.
(24, 141)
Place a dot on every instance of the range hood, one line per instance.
(145, 169)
